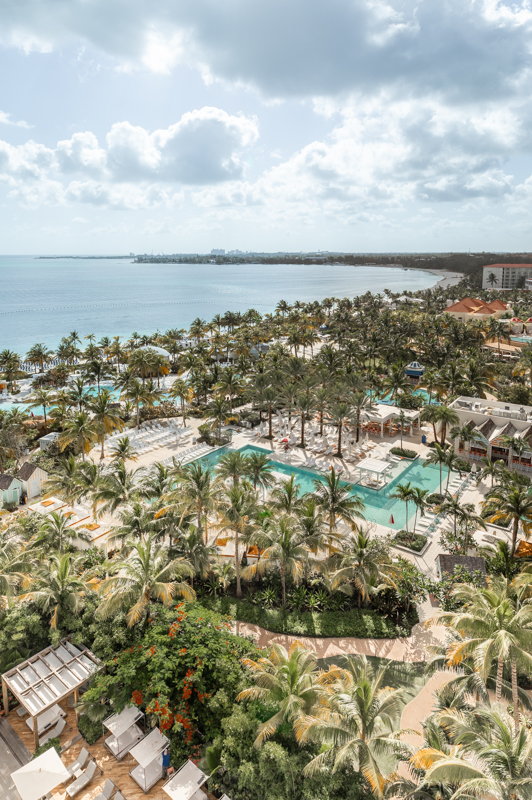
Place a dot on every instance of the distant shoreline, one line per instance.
(450, 278)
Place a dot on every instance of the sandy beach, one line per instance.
(449, 278)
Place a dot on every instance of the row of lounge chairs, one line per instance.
(189, 455)
(430, 521)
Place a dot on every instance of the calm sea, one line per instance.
(43, 300)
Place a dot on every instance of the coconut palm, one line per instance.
(286, 495)
(140, 394)
(285, 680)
(405, 493)
(356, 715)
(229, 384)
(197, 491)
(361, 565)
(494, 628)
(15, 564)
(39, 354)
(54, 532)
(337, 500)
(124, 450)
(259, 468)
(181, 391)
(41, 398)
(238, 509)
(463, 513)
(119, 487)
(232, 466)
(283, 547)
(56, 586)
(145, 574)
(491, 469)
(105, 416)
(438, 455)
(81, 431)
(446, 417)
(511, 505)
(191, 547)
(64, 480)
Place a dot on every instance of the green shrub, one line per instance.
(414, 541)
(403, 452)
(363, 623)
(435, 499)
(91, 731)
(48, 746)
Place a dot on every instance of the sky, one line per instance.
(343, 125)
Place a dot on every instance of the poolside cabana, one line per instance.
(38, 777)
(124, 730)
(383, 416)
(375, 467)
(148, 754)
(186, 783)
(41, 682)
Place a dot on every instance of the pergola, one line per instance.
(186, 783)
(47, 678)
(382, 414)
(376, 467)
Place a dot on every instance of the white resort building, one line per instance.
(494, 421)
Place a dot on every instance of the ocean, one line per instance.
(45, 299)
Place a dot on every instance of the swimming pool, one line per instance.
(91, 390)
(387, 400)
(380, 507)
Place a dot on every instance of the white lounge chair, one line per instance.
(106, 792)
(79, 763)
(53, 732)
(83, 780)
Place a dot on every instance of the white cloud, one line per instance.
(6, 119)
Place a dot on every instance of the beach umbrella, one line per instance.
(474, 468)
(284, 440)
(40, 776)
(391, 520)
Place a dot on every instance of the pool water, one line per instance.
(387, 400)
(380, 507)
(92, 391)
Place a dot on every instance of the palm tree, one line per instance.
(285, 680)
(39, 354)
(341, 414)
(493, 628)
(124, 450)
(362, 405)
(286, 495)
(140, 394)
(191, 547)
(64, 481)
(146, 573)
(446, 416)
(230, 384)
(419, 499)
(337, 500)
(238, 507)
(181, 391)
(118, 487)
(232, 466)
(54, 532)
(488, 759)
(510, 505)
(461, 512)
(81, 431)
(196, 491)
(105, 416)
(283, 547)
(491, 469)
(217, 410)
(430, 415)
(41, 397)
(78, 393)
(354, 721)
(405, 493)
(58, 586)
(438, 455)
(362, 565)
(258, 469)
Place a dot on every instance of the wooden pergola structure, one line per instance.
(47, 678)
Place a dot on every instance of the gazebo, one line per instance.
(148, 754)
(376, 467)
(125, 733)
(41, 682)
(186, 783)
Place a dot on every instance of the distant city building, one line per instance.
(506, 276)
(470, 308)
(217, 252)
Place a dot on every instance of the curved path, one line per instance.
(409, 648)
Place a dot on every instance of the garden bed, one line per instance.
(415, 542)
(362, 624)
(404, 453)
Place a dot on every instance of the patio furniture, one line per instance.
(119, 796)
(40, 776)
(79, 763)
(84, 779)
(53, 733)
(106, 792)
(47, 719)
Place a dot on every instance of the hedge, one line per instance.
(54, 742)
(362, 624)
(91, 731)
(415, 542)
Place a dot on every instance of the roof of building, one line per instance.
(487, 428)
(159, 350)
(491, 266)
(447, 563)
(6, 481)
(470, 305)
(27, 470)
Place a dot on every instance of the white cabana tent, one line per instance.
(186, 782)
(376, 467)
(149, 756)
(38, 777)
(125, 733)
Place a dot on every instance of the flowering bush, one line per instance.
(184, 672)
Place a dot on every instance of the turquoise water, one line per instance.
(92, 390)
(387, 399)
(380, 507)
(43, 300)
(526, 339)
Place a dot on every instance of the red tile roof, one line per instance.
(472, 306)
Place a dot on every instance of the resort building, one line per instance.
(471, 308)
(160, 351)
(506, 276)
(32, 478)
(494, 423)
(10, 490)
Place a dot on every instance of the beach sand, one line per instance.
(448, 278)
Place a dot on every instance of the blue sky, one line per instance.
(183, 125)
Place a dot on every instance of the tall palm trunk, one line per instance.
(237, 566)
(339, 453)
(283, 584)
(515, 696)
(303, 431)
(498, 687)
(515, 531)
(270, 421)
